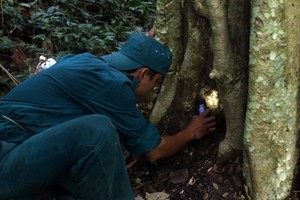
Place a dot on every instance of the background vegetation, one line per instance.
(56, 27)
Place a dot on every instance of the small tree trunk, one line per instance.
(185, 32)
(229, 44)
(187, 26)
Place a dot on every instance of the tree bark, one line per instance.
(273, 103)
(210, 48)
(186, 34)
(229, 44)
(210, 43)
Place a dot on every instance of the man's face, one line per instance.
(147, 84)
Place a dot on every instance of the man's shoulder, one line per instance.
(88, 57)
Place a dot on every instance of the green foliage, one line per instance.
(29, 28)
(61, 26)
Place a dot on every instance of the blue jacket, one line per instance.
(75, 86)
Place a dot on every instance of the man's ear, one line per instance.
(145, 71)
(151, 33)
(142, 73)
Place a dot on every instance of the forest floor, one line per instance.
(192, 174)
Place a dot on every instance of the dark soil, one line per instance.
(192, 174)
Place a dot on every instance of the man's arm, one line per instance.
(198, 127)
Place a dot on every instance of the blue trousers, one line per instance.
(82, 155)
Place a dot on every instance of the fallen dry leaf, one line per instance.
(157, 196)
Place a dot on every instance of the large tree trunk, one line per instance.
(210, 46)
(271, 125)
(229, 23)
(186, 34)
(209, 40)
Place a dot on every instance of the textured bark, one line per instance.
(229, 45)
(209, 40)
(193, 29)
(272, 115)
(186, 34)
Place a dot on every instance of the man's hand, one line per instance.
(200, 125)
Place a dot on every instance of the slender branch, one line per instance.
(15, 80)
(2, 15)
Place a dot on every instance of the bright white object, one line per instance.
(43, 64)
(48, 63)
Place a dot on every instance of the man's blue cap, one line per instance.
(141, 51)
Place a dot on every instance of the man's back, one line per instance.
(77, 85)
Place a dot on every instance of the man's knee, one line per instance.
(94, 128)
